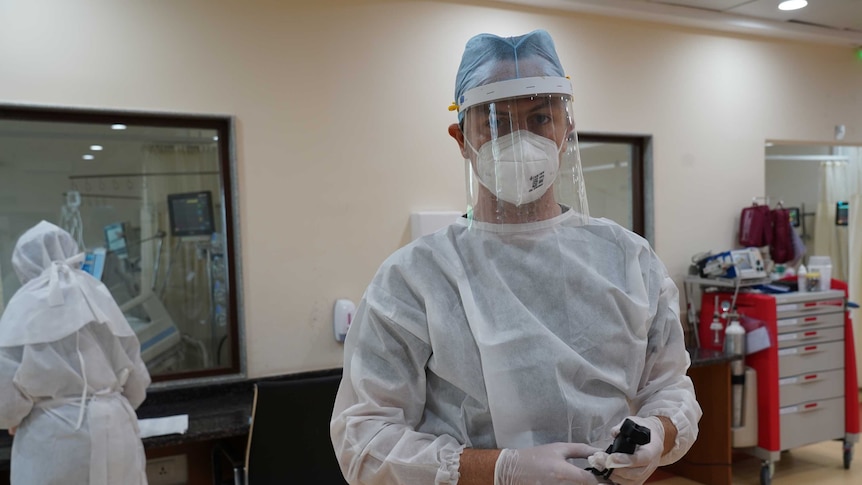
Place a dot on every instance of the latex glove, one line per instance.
(633, 469)
(544, 465)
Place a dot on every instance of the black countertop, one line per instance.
(701, 357)
(215, 411)
(224, 410)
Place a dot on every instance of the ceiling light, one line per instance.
(88, 157)
(792, 4)
(96, 148)
(215, 138)
(118, 126)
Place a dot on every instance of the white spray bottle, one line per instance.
(716, 325)
(802, 279)
(734, 344)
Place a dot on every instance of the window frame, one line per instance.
(225, 126)
(641, 176)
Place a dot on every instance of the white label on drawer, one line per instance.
(788, 351)
(786, 308)
(788, 381)
(788, 322)
(787, 336)
(789, 410)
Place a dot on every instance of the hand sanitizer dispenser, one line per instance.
(342, 316)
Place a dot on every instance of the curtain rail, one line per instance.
(811, 158)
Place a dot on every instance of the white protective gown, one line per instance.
(508, 336)
(70, 372)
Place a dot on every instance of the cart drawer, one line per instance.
(803, 359)
(791, 305)
(810, 322)
(810, 336)
(812, 422)
(811, 386)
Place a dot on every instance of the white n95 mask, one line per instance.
(518, 167)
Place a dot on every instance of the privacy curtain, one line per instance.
(854, 233)
(185, 292)
(829, 239)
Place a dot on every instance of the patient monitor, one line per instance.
(158, 335)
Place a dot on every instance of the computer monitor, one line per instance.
(794, 216)
(191, 214)
(841, 212)
(94, 262)
(115, 239)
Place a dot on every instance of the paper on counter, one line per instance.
(161, 426)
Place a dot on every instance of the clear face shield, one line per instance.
(522, 159)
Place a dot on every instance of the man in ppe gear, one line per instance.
(507, 348)
(70, 371)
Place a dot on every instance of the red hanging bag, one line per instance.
(781, 248)
(755, 228)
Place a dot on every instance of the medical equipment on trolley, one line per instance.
(156, 301)
(806, 387)
(191, 214)
(146, 313)
(156, 331)
(740, 264)
(94, 262)
(191, 222)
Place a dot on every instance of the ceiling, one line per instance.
(823, 21)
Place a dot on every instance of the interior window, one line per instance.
(616, 177)
(149, 199)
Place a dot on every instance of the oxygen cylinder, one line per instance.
(734, 344)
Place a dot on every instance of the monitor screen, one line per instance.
(115, 239)
(794, 216)
(94, 262)
(191, 214)
(841, 211)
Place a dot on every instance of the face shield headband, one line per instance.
(521, 150)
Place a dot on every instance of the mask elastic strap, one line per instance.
(470, 146)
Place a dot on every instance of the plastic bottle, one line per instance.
(802, 278)
(734, 344)
(716, 326)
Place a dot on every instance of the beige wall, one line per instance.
(341, 114)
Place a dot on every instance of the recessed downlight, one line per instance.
(96, 148)
(792, 4)
(118, 126)
(88, 157)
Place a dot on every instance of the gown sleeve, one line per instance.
(14, 405)
(382, 397)
(135, 389)
(665, 388)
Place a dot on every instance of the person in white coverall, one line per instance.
(508, 347)
(71, 374)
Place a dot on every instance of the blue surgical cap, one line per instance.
(489, 58)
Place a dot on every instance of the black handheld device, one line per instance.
(631, 435)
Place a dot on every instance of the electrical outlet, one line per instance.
(168, 470)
